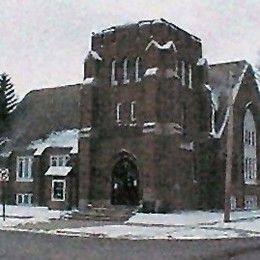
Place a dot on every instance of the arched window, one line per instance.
(250, 162)
(183, 73)
(125, 71)
(137, 69)
(113, 73)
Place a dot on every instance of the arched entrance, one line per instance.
(125, 183)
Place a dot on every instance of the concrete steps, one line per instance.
(111, 213)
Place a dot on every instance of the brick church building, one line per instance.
(150, 120)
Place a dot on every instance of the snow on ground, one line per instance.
(178, 225)
(148, 232)
(188, 218)
(16, 215)
(183, 225)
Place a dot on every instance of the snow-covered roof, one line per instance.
(257, 76)
(151, 71)
(166, 46)
(61, 171)
(238, 84)
(95, 55)
(225, 80)
(88, 81)
(145, 22)
(66, 138)
(201, 62)
(150, 22)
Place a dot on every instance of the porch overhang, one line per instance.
(60, 171)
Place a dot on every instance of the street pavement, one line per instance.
(23, 245)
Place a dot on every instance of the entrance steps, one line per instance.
(110, 213)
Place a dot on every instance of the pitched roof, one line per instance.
(224, 78)
(42, 112)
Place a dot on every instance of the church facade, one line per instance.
(154, 122)
(151, 118)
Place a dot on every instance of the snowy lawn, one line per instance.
(16, 215)
(183, 225)
(189, 218)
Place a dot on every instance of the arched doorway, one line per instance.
(125, 183)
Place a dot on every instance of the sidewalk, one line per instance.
(183, 225)
(178, 225)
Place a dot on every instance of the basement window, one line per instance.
(250, 202)
(24, 199)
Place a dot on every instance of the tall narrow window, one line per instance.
(177, 67)
(125, 71)
(137, 69)
(253, 138)
(113, 73)
(190, 76)
(24, 168)
(250, 159)
(183, 73)
(184, 118)
(118, 113)
(133, 112)
(246, 136)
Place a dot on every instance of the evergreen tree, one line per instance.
(8, 100)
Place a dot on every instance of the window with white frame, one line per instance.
(190, 76)
(233, 202)
(250, 161)
(133, 112)
(24, 168)
(118, 113)
(177, 67)
(58, 190)
(125, 71)
(250, 202)
(59, 160)
(137, 69)
(113, 73)
(24, 198)
(253, 138)
(183, 73)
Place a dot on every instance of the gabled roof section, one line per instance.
(224, 79)
(42, 112)
(65, 138)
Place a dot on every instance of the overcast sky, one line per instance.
(43, 42)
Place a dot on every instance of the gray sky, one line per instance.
(43, 42)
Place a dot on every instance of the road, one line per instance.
(21, 245)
